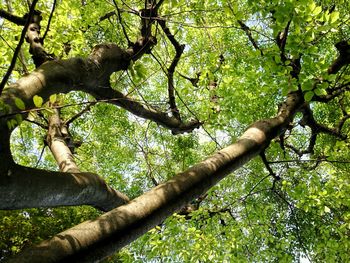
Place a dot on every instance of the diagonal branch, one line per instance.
(124, 224)
(317, 128)
(248, 32)
(121, 23)
(79, 114)
(145, 111)
(309, 120)
(20, 21)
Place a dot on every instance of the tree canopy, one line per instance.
(175, 131)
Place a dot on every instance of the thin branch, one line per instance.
(41, 156)
(147, 112)
(49, 22)
(291, 207)
(76, 116)
(248, 32)
(179, 50)
(121, 23)
(309, 160)
(19, 57)
(19, 45)
(212, 137)
(107, 15)
(267, 166)
(194, 81)
(45, 127)
(242, 199)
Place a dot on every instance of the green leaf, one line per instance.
(333, 17)
(307, 85)
(11, 124)
(20, 104)
(19, 118)
(38, 101)
(327, 209)
(312, 6)
(308, 95)
(320, 92)
(53, 98)
(317, 10)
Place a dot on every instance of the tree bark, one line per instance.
(58, 145)
(25, 187)
(94, 240)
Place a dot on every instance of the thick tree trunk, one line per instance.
(91, 241)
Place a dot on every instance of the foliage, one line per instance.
(249, 216)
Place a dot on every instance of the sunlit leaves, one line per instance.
(248, 217)
(38, 101)
(20, 104)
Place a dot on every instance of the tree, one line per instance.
(271, 76)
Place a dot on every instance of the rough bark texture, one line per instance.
(93, 240)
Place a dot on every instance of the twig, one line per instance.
(38, 124)
(309, 160)
(41, 155)
(76, 116)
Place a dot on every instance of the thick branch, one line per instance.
(343, 59)
(20, 21)
(55, 189)
(147, 112)
(309, 120)
(94, 240)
